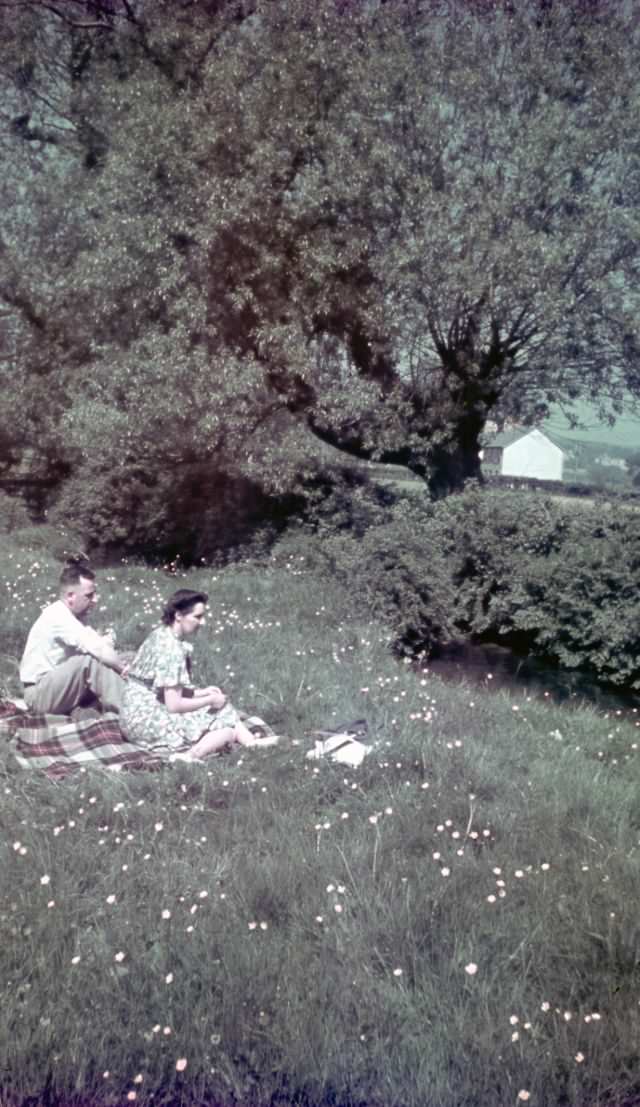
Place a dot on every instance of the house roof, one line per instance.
(508, 437)
(505, 438)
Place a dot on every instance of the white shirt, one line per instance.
(56, 635)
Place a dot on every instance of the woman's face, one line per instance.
(187, 623)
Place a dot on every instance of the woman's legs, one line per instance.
(244, 737)
(212, 741)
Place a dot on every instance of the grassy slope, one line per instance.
(625, 432)
(306, 933)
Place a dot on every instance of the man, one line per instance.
(64, 661)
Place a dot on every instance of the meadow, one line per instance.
(454, 924)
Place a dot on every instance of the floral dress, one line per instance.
(163, 661)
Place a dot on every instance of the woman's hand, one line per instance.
(177, 700)
(216, 697)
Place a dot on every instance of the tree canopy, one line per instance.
(239, 228)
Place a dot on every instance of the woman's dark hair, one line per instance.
(182, 601)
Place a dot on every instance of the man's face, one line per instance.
(81, 597)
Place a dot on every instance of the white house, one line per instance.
(523, 452)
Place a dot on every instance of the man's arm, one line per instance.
(100, 647)
(89, 641)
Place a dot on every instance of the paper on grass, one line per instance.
(343, 748)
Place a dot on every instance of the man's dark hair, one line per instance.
(182, 601)
(76, 568)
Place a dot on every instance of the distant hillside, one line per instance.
(625, 432)
(601, 464)
(592, 448)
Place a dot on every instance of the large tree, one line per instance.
(376, 224)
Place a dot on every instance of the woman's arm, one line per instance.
(177, 703)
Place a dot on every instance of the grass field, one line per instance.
(454, 924)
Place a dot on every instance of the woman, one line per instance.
(162, 710)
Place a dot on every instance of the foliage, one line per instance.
(550, 578)
(582, 605)
(563, 582)
(390, 571)
(341, 499)
(424, 216)
(198, 511)
(193, 512)
(188, 915)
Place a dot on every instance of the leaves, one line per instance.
(389, 228)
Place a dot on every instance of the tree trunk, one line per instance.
(457, 461)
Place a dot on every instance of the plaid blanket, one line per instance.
(60, 746)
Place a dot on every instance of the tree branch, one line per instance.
(77, 24)
(25, 307)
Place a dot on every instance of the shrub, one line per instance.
(582, 604)
(191, 512)
(562, 582)
(499, 565)
(392, 573)
(487, 539)
(343, 499)
(201, 512)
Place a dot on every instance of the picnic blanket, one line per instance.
(59, 745)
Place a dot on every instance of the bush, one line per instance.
(389, 571)
(557, 581)
(343, 499)
(583, 604)
(562, 582)
(486, 539)
(193, 512)
(199, 512)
